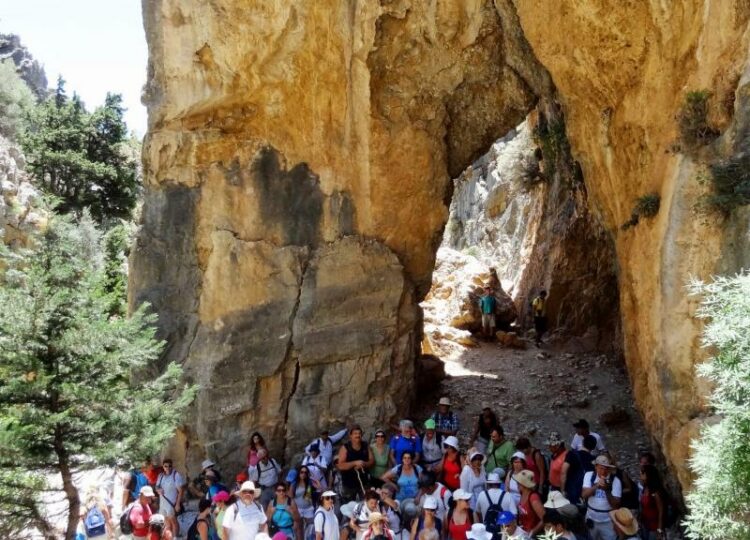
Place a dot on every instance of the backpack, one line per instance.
(285, 519)
(236, 506)
(126, 527)
(193, 533)
(94, 522)
(136, 482)
(493, 513)
(323, 528)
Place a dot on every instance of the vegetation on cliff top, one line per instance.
(74, 387)
(719, 503)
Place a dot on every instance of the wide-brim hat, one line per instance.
(147, 491)
(493, 478)
(451, 441)
(556, 500)
(475, 454)
(207, 463)
(603, 461)
(479, 532)
(375, 517)
(525, 478)
(249, 485)
(518, 455)
(624, 519)
(445, 401)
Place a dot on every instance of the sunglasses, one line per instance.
(303, 472)
(247, 492)
(280, 490)
(379, 436)
(327, 498)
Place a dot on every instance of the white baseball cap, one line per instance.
(430, 503)
(493, 478)
(461, 495)
(207, 463)
(329, 493)
(146, 491)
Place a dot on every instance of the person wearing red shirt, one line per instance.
(140, 514)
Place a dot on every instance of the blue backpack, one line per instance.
(94, 523)
(137, 481)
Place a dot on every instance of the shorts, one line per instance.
(488, 319)
(166, 509)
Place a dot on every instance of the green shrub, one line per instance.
(730, 180)
(693, 120)
(646, 206)
(553, 141)
(16, 100)
(719, 503)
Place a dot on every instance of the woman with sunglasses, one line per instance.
(326, 523)
(381, 452)
(282, 514)
(449, 469)
(428, 519)
(305, 493)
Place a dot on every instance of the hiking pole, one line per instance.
(361, 485)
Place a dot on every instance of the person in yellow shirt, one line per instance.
(539, 308)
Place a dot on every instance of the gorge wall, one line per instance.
(298, 167)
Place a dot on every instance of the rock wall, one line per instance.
(294, 147)
(22, 211)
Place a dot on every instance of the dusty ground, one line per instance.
(535, 391)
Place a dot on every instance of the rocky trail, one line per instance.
(535, 391)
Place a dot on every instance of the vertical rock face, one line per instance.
(296, 169)
(298, 163)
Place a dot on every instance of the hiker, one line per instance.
(170, 487)
(220, 501)
(132, 482)
(354, 458)
(486, 422)
(282, 513)
(158, 530)
(381, 454)
(203, 525)
(392, 507)
(325, 443)
(405, 476)
(473, 476)
(577, 464)
(602, 492)
(197, 487)
(557, 503)
(460, 517)
(479, 531)
(317, 466)
(582, 429)
(558, 454)
(326, 524)
(429, 518)
(405, 441)
(446, 421)
(245, 518)
(360, 520)
(493, 282)
(492, 497)
(449, 469)
(534, 461)
(265, 475)
(653, 507)
(555, 523)
(510, 528)
(95, 516)
(378, 528)
(530, 507)
(539, 309)
(499, 452)
(256, 443)
(140, 513)
(487, 303)
(517, 464)
(430, 487)
(624, 524)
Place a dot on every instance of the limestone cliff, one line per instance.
(297, 171)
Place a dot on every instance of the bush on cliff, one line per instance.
(719, 504)
(16, 100)
(75, 390)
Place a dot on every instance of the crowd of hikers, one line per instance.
(416, 484)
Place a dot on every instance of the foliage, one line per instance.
(114, 279)
(551, 137)
(73, 388)
(693, 120)
(16, 100)
(646, 206)
(719, 503)
(19, 491)
(730, 180)
(472, 251)
(82, 157)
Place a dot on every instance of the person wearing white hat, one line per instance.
(244, 519)
(140, 513)
(517, 464)
(473, 476)
(325, 522)
(430, 487)
(478, 532)
(602, 491)
(428, 518)
(493, 500)
(446, 421)
(460, 517)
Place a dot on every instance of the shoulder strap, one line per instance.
(502, 496)
(399, 470)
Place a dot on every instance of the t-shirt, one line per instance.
(265, 474)
(472, 483)
(540, 306)
(408, 484)
(577, 443)
(326, 445)
(244, 520)
(499, 456)
(598, 505)
(487, 303)
(317, 467)
(580, 462)
(170, 484)
(432, 452)
(325, 522)
(508, 504)
(140, 513)
(400, 444)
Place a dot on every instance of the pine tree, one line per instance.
(80, 157)
(719, 503)
(75, 385)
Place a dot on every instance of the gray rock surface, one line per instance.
(31, 71)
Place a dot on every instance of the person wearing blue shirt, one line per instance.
(487, 306)
(405, 441)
